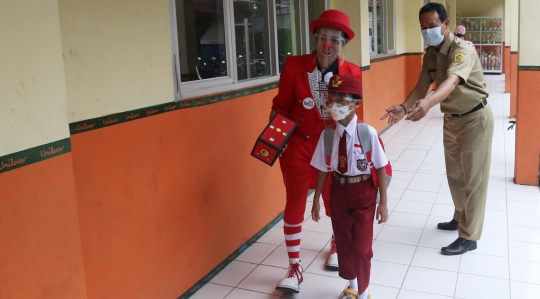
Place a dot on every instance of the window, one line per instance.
(382, 27)
(221, 42)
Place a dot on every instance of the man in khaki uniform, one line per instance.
(468, 122)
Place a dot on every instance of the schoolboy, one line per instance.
(353, 193)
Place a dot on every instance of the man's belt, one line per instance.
(478, 107)
(344, 179)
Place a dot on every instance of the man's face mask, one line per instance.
(433, 36)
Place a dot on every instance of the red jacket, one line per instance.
(294, 87)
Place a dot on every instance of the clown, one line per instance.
(302, 98)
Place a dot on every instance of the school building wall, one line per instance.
(40, 251)
(131, 194)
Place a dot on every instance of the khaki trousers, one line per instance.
(467, 150)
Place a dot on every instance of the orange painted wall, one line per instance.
(387, 83)
(164, 199)
(40, 244)
(513, 84)
(506, 69)
(527, 148)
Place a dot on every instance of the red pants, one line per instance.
(353, 207)
(299, 176)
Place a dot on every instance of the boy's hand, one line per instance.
(382, 213)
(315, 211)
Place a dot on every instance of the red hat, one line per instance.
(335, 19)
(460, 29)
(345, 83)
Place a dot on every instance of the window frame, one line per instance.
(384, 28)
(191, 89)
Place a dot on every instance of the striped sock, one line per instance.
(292, 241)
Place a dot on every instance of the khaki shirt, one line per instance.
(455, 57)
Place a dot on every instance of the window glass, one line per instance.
(390, 25)
(252, 39)
(315, 8)
(289, 39)
(371, 27)
(201, 39)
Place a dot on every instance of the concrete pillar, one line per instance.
(528, 76)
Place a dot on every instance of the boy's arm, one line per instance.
(321, 179)
(382, 209)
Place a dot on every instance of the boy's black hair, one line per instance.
(439, 8)
(459, 35)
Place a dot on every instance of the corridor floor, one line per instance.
(407, 263)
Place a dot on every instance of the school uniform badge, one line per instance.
(459, 57)
(361, 164)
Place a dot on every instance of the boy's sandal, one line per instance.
(349, 294)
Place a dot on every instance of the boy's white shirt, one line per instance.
(378, 157)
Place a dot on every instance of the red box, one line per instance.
(272, 140)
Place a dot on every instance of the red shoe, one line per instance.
(291, 282)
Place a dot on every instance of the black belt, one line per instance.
(478, 107)
(344, 179)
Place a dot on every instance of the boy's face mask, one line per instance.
(339, 111)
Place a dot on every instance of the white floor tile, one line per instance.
(211, 290)
(496, 204)
(444, 199)
(524, 251)
(316, 286)
(485, 265)
(496, 193)
(524, 234)
(437, 238)
(399, 183)
(414, 207)
(524, 219)
(443, 211)
(415, 194)
(525, 271)
(433, 259)
(323, 226)
(314, 240)
(387, 274)
(433, 178)
(524, 206)
(245, 294)
(430, 281)
(407, 220)
(264, 280)
(394, 192)
(400, 235)
(432, 222)
(378, 291)
(393, 252)
(533, 196)
(406, 294)
(478, 287)
(280, 259)
(491, 246)
(495, 230)
(495, 216)
(432, 168)
(404, 175)
(256, 253)
(399, 165)
(274, 236)
(521, 290)
(318, 266)
(233, 274)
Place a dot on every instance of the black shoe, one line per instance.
(459, 246)
(452, 225)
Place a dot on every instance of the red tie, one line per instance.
(342, 157)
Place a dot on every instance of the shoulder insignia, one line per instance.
(459, 57)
